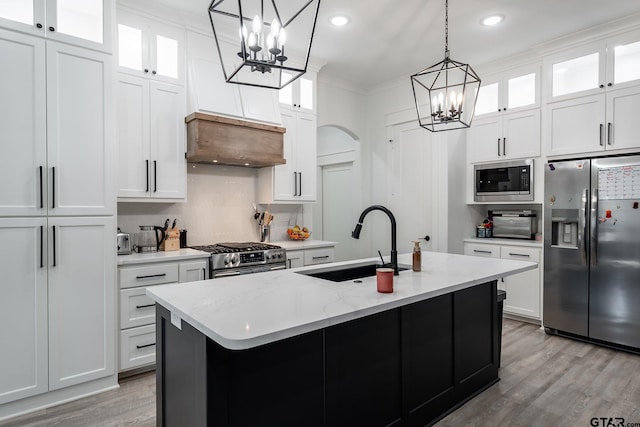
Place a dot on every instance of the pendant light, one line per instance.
(445, 93)
(263, 43)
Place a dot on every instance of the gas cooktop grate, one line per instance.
(223, 248)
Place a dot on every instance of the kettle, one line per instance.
(149, 240)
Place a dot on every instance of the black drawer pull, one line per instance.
(481, 252)
(522, 255)
(151, 275)
(146, 345)
(321, 257)
(145, 306)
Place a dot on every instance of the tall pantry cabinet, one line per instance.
(57, 208)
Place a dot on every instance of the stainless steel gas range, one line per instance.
(232, 259)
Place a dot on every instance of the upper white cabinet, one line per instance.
(85, 23)
(57, 128)
(300, 94)
(503, 137)
(150, 48)
(507, 123)
(513, 90)
(591, 96)
(208, 92)
(294, 181)
(151, 140)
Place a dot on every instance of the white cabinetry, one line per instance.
(85, 23)
(57, 313)
(523, 290)
(150, 48)
(507, 123)
(151, 140)
(302, 257)
(57, 129)
(137, 311)
(209, 93)
(294, 181)
(503, 137)
(301, 93)
(591, 96)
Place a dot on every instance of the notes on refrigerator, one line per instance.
(619, 183)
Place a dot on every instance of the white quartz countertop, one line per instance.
(292, 245)
(161, 256)
(506, 242)
(246, 311)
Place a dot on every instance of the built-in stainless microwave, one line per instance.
(504, 182)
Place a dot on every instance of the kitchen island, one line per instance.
(282, 348)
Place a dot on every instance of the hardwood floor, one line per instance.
(545, 381)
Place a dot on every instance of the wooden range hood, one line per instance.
(226, 141)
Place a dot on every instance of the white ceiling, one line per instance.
(388, 39)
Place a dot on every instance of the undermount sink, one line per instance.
(348, 272)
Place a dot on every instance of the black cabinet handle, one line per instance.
(498, 146)
(146, 345)
(147, 165)
(53, 187)
(300, 185)
(151, 275)
(41, 246)
(54, 245)
(320, 257)
(38, 25)
(155, 176)
(204, 273)
(52, 29)
(295, 183)
(145, 306)
(504, 146)
(601, 132)
(609, 126)
(427, 238)
(522, 255)
(41, 190)
(146, 70)
(481, 252)
(154, 72)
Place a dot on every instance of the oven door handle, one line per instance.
(230, 273)
(279, 267)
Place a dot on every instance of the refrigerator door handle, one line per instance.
(594, 227)
(582, 226)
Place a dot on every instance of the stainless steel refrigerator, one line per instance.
(592, 249)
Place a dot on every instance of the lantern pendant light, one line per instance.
(252, 36)
(445, 93)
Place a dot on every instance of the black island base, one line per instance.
(408, 366)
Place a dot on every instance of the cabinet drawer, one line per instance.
(520, 253)
(136, 308)
(480, 249)
(295, 259)
(148, 275)
(137, 347)
(318, 256)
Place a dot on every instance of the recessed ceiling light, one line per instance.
(339, 21)
(490, 21)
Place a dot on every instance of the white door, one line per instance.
(411, 197)
(521, 134)
(79, 131)
(132, 110)
(23, 125)
(167, 141)
(484, 140)
(576, 126)
(623, 126)
(81, 300)
(285, 176)
(340, 209)
(306, 145)
(193, 271)
(23, 308)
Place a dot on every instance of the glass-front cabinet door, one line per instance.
(513, 90)
(301, 93)
(84, 23)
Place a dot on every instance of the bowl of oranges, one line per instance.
(298, 233)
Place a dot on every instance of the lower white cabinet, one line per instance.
(300, 258)
(523, 290)
(137, 311)
(57, 311)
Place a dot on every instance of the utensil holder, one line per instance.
(265, 233)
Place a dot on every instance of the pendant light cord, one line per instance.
(446, 29)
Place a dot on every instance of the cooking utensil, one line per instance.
(166, 224)
(174, 223)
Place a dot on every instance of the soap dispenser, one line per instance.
(417, 256)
